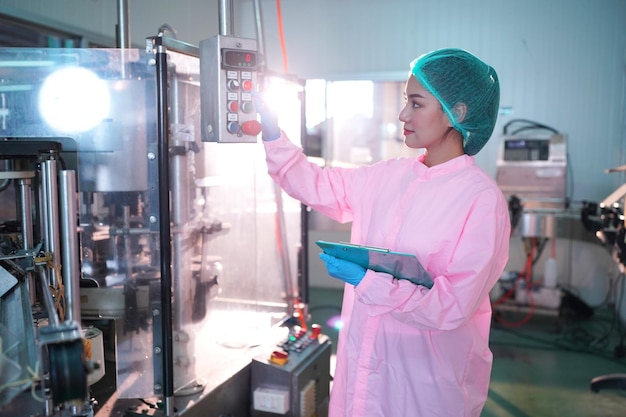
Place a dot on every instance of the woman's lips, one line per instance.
(407, 132)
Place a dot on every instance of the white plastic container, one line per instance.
(550, 271)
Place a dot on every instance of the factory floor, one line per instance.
(543, 361)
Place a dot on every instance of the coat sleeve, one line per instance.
(476, 264)
(323, 189)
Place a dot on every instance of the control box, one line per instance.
(293, 380)
(534, 168)
(228, 77)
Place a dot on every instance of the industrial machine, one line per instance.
(532, 174)
(143, 261)
(608, 222)
(532, 165)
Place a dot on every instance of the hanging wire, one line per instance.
(281, 34)
(529, 124)
(526, 276)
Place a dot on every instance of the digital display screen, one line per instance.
(527, 150)
(238, 59)
(515, 144)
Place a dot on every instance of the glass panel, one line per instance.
(99, 105)
(235, 237)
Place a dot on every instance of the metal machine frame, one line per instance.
(152, 246)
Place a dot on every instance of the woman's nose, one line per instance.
(402, 115)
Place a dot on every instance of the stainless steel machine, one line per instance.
(532, 174)
(144, 267)
(532, 165)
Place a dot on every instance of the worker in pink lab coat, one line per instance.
(406, 350)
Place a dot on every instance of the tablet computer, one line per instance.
(400, 265)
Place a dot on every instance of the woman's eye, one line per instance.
(416, 105)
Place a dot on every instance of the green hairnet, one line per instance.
(456, 76)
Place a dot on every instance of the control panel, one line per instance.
(293, 379)
(228, 78)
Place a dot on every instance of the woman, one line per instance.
(406, 350)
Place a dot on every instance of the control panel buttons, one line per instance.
(232, 84)
(251, 127)
(299, 338)
(247, 107)
(239, 87)
(279, 357)
(233, 127)
(246, 85)
(316, 330)
(233, 106)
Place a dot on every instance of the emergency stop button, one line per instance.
(251, 127)
(279, 357)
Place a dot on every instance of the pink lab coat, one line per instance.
(405, 350)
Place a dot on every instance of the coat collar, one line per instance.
(452, 165)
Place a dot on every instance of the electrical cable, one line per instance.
(530, 125)
(281, 35)
(526, 274)
(587, 336)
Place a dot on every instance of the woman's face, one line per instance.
(425, 123)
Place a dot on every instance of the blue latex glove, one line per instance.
(344, 270)
(269, 120)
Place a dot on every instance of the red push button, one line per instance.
(251, 127)
(233, 106)
(247, 85)
(278, 357)
(316, 329)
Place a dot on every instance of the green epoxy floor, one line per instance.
(542, 367)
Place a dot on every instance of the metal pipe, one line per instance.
(51, 203)
(258, 18)
(283, 247)
(26, 215)
(48, 301)
(123, 29)
(128, 250)
(226, 17)
(70, 249)
(183, 283)
(26, 212)
(179, 169)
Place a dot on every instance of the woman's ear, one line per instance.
(459, 110)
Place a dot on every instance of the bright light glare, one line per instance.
(335, 322)
(283, 98)
(74, 100)
(340, 100)
(346, 99)
(315, 103)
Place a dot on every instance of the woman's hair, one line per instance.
(468, 90)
